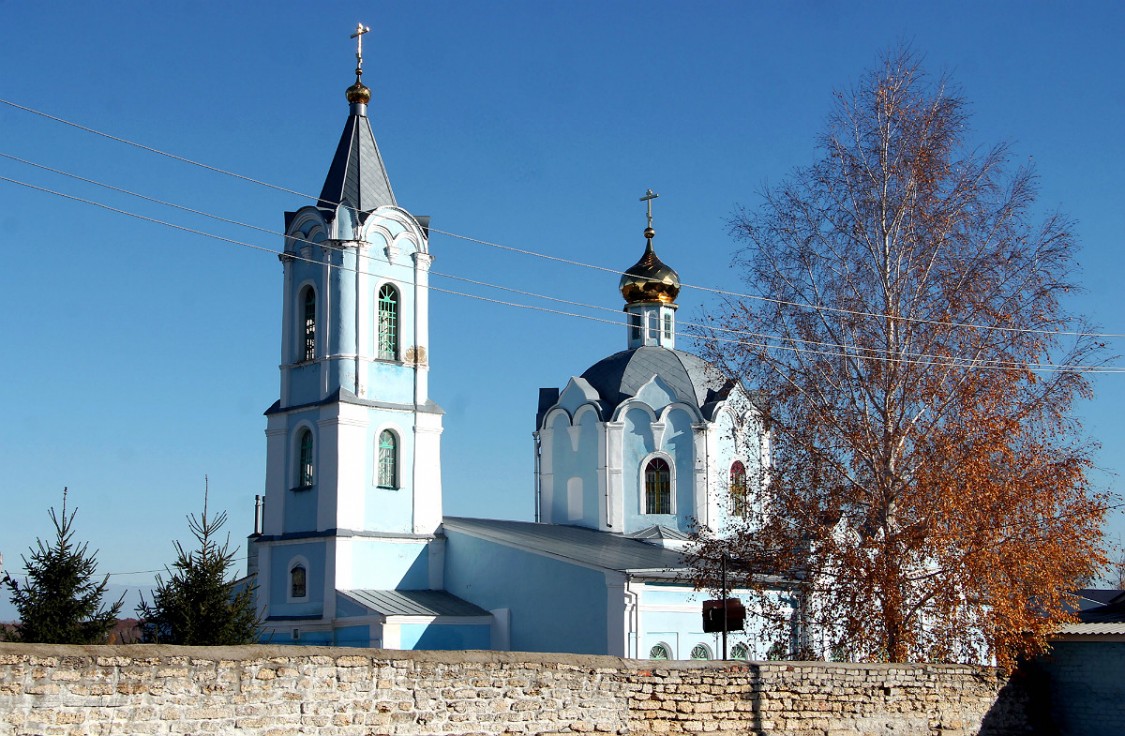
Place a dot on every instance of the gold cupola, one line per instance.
(650, 279)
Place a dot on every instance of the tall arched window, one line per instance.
(298, 582)
(305, 465)
(738, 500)
(388, 323)
(308, 349)
(658, 487)
(388, 459)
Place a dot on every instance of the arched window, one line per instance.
(738, 500)
(660, 651)
(308, 348)
(701, 651)
(305, 465)
(740, 651)
(658, 487)
(298, 583)
(388, 459)
(388, 323)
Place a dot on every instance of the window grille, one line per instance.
(658, 487)
(660, 651)
(388, 323)
(310, 325)
(388, 460)
(700, 651)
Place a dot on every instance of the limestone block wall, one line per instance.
(275, 691)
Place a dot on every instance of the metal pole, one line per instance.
(724, 597)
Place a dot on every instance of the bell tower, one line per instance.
(353, 472)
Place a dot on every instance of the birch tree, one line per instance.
(918, 369)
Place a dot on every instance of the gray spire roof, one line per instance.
(357, 175)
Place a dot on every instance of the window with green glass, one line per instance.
(658, 487)
(305, 467)
(388, 323)
(740, 651)
(700, 651)
(660, 651)
(309, 349)
(388, 459)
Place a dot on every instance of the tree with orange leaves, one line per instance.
(927, 495)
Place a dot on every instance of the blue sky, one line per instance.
(137, 358)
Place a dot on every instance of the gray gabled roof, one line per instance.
(414, 603)
(357, 175)
(582, 545)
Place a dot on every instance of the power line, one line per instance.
(722, 292)
(834, 350)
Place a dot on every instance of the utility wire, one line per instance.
(833, 351)
(722, 292)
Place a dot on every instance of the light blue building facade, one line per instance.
(350, 545)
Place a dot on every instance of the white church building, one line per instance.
(350, 546)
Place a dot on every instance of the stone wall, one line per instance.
(273, 691)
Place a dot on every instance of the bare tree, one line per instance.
(928, 492)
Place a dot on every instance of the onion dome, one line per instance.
(358, 92)
(649, 279)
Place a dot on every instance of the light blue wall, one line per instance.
(389, 510)
(385, 565)
(445, 636)
(682, 630)
(555, 606)
(281, 555)
(639, 443)
(575, 470)
(351, 636)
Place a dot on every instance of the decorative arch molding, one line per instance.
(585, 409)
(553, 415)
(397, 227)
(694, 416)
(307, 224)
(645, 486)
(656, 393)
(302, 562)
(628, 405)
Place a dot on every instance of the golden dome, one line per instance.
(649, 279)
(358, 92)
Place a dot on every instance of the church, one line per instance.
(350, 546)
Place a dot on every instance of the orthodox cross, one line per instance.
(360, 29)
(649, 196)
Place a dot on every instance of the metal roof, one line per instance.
(414, 603)
(357, 175)
(621, 375)
(1082, 629)
(585, 546)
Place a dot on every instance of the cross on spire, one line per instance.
(360, 29)
(649, 196)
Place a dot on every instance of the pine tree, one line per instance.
(198, 605)
(59, 601)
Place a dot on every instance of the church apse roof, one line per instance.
(692, 379)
